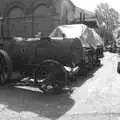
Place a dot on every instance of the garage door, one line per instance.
(16, 22)
(42, 20)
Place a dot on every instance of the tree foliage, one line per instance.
(107, 17)
(108, 21)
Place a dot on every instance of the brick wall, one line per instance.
(28, 17)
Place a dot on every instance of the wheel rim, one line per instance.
(47, 80)
(3, 69)
(42, 79)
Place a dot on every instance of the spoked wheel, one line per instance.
(5, 67)
(50, 78)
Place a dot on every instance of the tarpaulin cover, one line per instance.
(96, 39)
(87, 36)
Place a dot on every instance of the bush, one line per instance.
(106, 35)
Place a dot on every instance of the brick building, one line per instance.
(28, 17)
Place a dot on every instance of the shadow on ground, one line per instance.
(22, 100)
(50, 106)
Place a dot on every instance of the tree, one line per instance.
(107, 19)
(107, 15)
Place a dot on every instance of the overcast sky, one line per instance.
(91, 4)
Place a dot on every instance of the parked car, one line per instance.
(99, 44)
(92, 43)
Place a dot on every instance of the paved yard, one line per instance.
(96, 97)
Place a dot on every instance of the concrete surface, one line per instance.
(95, 97)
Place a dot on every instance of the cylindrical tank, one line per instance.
(66, 51)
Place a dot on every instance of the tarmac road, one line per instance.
(95, 97)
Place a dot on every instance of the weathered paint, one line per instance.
(25, 52)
